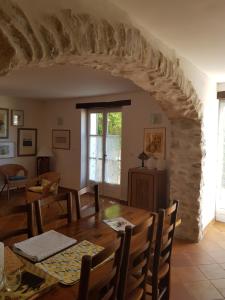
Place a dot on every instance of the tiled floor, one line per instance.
(198, 270)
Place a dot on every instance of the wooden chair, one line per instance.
(78, 200)
(15, 176)
(6, 216)
(51, 220)
(106, 286)
(158, 282)
(136, 258)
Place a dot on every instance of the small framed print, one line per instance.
(27, 141)
(17, 117)
(155, 142)
(61, 139)
(4, 123)
(7, 150)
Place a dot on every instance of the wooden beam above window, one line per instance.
(89, 105)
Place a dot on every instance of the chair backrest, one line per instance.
(53, 218)
(104, 287)
(12, 170)
(164, 241)
(136, 258)
(8, 213)
(87, 190)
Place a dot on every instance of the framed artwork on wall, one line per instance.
(7, 150)
(17, 117)
(26, 141)
(61, 139)
(155, 142)
(4, 123)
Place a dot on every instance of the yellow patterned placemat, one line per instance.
(23, 292)
(66, 265)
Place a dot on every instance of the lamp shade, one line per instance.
(45, 152)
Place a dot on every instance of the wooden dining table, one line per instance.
(93, 229)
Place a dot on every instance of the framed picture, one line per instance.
(155, 142)
(4, 123)
(27, 141)
(7, 150)
(61, 139)
(17, 117)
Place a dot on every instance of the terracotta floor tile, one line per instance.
(220, 285)
(180, 292)
(218, 256)
(181, 260)
(200, 258)
(203, 290)
(213, 271)
(187, 274)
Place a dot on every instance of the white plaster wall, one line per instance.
(33, 118)
(135, 118)
(67, 162)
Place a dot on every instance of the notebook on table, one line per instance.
(43, 246)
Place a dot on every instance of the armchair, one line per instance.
(15, 176)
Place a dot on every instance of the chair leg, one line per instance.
(3, 188)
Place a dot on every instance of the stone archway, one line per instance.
(65, 37)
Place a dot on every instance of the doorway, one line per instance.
(104, 150)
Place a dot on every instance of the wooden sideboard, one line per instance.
(147, 188)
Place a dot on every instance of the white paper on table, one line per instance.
(44, 245)
(118, 223)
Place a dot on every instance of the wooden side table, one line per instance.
(147, 188)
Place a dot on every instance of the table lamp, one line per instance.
(143, 156)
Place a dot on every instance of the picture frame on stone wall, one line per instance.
(17, 117)
(61, 139)
(26, 141)
(4, 123)
(155, 142)
(7, 150)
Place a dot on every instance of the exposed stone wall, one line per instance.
(68, 37)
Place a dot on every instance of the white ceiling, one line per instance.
(194, 28)
(63, 81)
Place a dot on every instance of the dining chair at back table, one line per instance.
(80, 199)
(61, 211)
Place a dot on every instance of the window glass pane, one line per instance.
(113, 147)
(112, 171)
(96, 123)
(95, 169)
(114, 123)
(95, 146)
